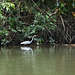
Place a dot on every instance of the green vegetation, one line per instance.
(52, 20)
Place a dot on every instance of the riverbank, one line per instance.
(65, 45)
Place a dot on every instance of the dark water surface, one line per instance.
(44, 60)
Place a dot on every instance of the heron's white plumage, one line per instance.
(28, 42)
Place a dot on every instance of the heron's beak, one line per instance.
(36, 35)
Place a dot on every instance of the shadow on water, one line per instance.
(37, 60)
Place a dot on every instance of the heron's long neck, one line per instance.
(32, 38)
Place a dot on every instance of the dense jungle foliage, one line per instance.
(52, 20)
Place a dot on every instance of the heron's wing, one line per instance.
(26, 42)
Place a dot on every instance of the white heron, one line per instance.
(28, 42)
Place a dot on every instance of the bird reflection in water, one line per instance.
(27, 50)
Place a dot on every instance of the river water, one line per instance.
(37, 60)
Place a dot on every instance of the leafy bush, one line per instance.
(42, 24)
(20, 20)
